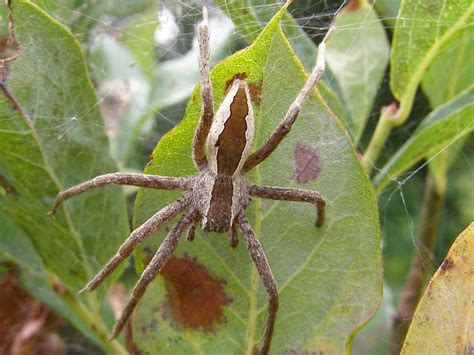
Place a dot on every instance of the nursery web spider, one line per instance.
(218, 195)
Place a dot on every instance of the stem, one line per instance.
(390, 119)
(111, 346)
(382, 131)
(421, 263)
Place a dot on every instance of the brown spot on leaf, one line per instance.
(195, 299)
(228, 83)
(447, 264)
(59, 288)
(255, 89)
(353, 5)
(10, 48)
(308, 163)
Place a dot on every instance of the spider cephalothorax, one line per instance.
(217, 197)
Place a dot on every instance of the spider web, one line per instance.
(150, 51)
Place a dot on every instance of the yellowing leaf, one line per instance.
(444, 319)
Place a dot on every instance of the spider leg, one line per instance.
(191, 232)
(233, 236)
(143, 180)
(258, 256)
(137, 236)
(207, 110)
(192, 228)
(292, 114)
(159, 259)
(288, 194)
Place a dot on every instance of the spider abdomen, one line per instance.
(231, 134)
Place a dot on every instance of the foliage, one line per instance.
(52, 136)
(437, 327)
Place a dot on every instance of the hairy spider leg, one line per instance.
(136, 237)
(288, 194)
(157, 262)
(207, 98)
(142, 180)
(260, 260)
(292, 114)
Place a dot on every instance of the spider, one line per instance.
(218, 195)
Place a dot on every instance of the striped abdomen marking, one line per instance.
(231, 142)
(232, 130)
(219, 216)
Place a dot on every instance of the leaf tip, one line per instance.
(353, 5)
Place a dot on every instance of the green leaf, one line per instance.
(422, 29)
(439, 162)
(52, 137)
(17, 247)
(60, 142)
(330, 279)
(451, 71)
(436, 132)
(449, 74)
(444, 319)
(387, 11)
(372, 338)
(357, 53)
